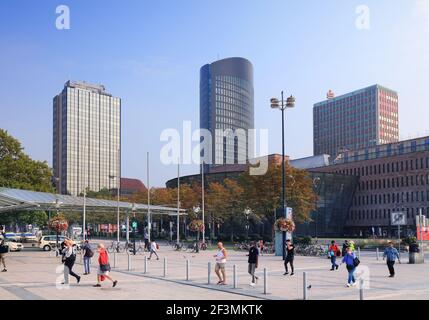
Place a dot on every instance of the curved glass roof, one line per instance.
(17, 199)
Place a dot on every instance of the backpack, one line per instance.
(89, 253)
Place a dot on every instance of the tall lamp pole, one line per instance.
(117, 207)
(247, 212)
(149, 218)
(316, 184)
(202, 200)
(282, 105)
(57, 208)
(178, 202)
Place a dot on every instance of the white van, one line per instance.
(47, 243)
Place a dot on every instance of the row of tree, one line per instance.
(225, 202)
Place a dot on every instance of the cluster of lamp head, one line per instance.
(280, 104)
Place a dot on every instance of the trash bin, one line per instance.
(416, 256)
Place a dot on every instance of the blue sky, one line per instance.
(149, 54)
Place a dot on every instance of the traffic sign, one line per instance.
(398, 219)
(289, 213)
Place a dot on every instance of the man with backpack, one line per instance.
(334, 252)
(87, 255)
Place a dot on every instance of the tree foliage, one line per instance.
(18, 170)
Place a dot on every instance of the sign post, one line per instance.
(398, 219)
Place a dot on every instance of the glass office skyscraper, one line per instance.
(226, 103)
(360, 119)
(86, 138)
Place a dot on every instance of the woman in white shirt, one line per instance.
(153, 249)
(220, 264)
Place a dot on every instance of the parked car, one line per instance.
(28, 237)
(12, 236)
(13, 245)
(47, 243)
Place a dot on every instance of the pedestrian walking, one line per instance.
(391, 253)
(334, 252)
(221, 256)
(3, 249)
(290, 255)
(103, 267)
(87, 255)
(345, 246)
(153, 250)
(253, 262)
(69, 257)
(146, 241)
(351, 262)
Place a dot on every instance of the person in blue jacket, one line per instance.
(349, 260)
(391, 254)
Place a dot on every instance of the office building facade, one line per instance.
(392, 178)
(227, 103)
(360, 119)
(86, 138)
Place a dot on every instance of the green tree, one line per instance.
(18, 170)
(262, 193)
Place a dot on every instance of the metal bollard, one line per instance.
(165, 267)
(378, 254)
(234, 276)
(361, 296)
(305, 286)
(145, 264)
(114, 259)
(359, 252)
(187, 270)
(129, 262)
(265, 281)
(209, 269)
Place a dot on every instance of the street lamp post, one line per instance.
(202, 200)
(57, 208)
(316, 183)
(134, 226)
(247, 212)
(117, 207)
(282, 105)
(197, 211)
(178, 203)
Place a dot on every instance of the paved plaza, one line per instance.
(33, 275)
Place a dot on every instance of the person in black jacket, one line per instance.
(253, 262)
(69, 254)
(345, 246)
(3, 249)
(290, 255)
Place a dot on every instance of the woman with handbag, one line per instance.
(69, 258)
(103, 266)
(351, 262)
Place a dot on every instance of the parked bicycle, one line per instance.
(116, 247)
(312, 250)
